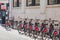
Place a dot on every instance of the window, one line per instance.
(16, 3)
(51, 2)
(32, 2)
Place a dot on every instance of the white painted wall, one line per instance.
(42, 12)
(53, 13)
(4, 1)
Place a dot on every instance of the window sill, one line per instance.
(29, 7)
(33, 7)
(53, 6)
(16, 7)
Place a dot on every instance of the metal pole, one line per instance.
(0, 10)
(0, 7)
(10, 8)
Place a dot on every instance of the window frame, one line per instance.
(52, 4)
(27, 5)
(16, 4)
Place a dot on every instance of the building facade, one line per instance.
(42, 9)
